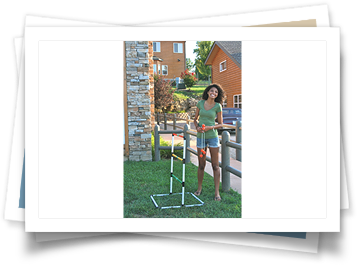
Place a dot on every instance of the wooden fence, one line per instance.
(225, 157)
(164, 117)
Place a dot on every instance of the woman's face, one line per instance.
(213, 93)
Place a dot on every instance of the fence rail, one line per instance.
(225, 157)
(237, 128)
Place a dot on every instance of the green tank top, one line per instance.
(207, 118)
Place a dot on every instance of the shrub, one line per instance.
(189, 78)
(163, 92)
(164, 154)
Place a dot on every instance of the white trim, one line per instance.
(225, 61)
(237, 101)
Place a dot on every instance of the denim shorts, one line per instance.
(214, 142)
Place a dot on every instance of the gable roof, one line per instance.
(232, 48)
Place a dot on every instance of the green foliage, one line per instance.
(189, 64)
(163, 92)
(164, 154)
(202, 51)
(195, 92)
(189, 78)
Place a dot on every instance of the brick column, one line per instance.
(139, 99)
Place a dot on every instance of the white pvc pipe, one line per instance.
(172, 162)
(183, 171)
(172, 144)
(154, 201)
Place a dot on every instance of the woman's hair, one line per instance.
(221, 93)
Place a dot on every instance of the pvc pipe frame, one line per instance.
(183, 178)
(175, 206)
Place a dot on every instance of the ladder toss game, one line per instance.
(172, 176)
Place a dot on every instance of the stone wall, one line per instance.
(140, 96)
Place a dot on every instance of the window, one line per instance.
(223, 66)
(159, 70)
(224, 105)
(156, 46)
(155, 68)
(178, 48)
(237, 101)
(165, 70)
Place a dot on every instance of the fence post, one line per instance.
(165, 122)
(157, 142)
(187, 136)
(226, 179)
(174, 121)
(239, 140)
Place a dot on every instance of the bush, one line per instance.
(164, 154)
(163, 92)
(189, 78)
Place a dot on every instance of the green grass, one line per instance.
(142, 179)
(195, 91)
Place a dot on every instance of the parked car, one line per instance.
(230, 117)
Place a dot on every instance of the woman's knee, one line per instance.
(215, 167)
(202, 166)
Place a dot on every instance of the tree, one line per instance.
(163, 92)
(202, 51)
(189, 64)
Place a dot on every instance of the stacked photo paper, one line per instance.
(73, 121)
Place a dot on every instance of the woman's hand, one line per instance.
(199, 129)
(207, 128)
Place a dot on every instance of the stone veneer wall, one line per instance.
(140, 93)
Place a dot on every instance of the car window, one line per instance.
(232, 111)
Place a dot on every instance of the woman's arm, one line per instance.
(195, 120)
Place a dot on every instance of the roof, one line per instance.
(232, 48)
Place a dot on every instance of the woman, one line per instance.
(207, 110)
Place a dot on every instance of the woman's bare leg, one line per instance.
(216, 170)
(200, 170)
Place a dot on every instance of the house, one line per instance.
(169, 58)
(225, 59)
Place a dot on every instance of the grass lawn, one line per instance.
(142, 179)
(195, 91)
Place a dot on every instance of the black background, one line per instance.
(114, 248)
